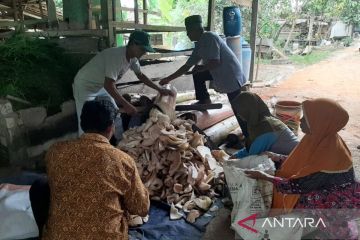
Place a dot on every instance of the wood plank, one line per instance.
(54, 33)
(18, 23)
(127, 9)
(163, 55)
(150, 28)
(209, 118)
(7, 9)
(198, 107)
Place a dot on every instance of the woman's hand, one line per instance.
(255, 174)
(273, 156)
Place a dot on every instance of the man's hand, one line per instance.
(164, 91)
(164, 81)
(255, 174)
(130, 109)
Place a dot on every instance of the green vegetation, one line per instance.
(314, 57)
(37, 71)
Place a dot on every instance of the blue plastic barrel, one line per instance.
(246, 58)
(232, 21)
(234, 43)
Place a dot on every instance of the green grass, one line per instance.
(315, 57)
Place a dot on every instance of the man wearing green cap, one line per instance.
(100, 74)
(220, 65)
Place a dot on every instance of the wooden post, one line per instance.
(15, 10)
(90, 15)
(145, 11)
(310, 33)
(136, 11)
(21, 14)
(211, 14)
(254, 12)
(258, 60)
(110, 15)
(41, 9)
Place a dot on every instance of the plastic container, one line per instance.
(232, 21)
(234, 43)
(289, 112)
(246, 58)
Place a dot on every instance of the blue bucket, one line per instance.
(232, 21)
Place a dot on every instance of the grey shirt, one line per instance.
(285, 143)
(228, 76)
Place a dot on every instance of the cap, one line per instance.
(194, 20)
(141, 38)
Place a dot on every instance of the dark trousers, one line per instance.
(40, 202)
(202, 93)
(200, 79)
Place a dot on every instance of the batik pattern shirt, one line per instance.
(93, 189)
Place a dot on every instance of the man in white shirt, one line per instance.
(101, 73)
(221, 66)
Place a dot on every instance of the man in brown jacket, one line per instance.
(93, 186)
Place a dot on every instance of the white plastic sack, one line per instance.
(249, 195)
(16, 216)
(254, 197)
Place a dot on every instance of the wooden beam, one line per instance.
(32, 15)
(19, 23)
(150, 28)
(136, 11)
(254, 12)
(151, 56)
(211, 15)
(111, 18)
(145, 11)
(127, 9)
(70, 33)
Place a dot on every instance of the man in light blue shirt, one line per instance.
(220, 65)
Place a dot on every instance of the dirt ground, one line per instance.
(337, 77)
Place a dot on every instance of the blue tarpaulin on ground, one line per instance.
(161, 227)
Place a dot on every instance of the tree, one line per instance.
(351, 12)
